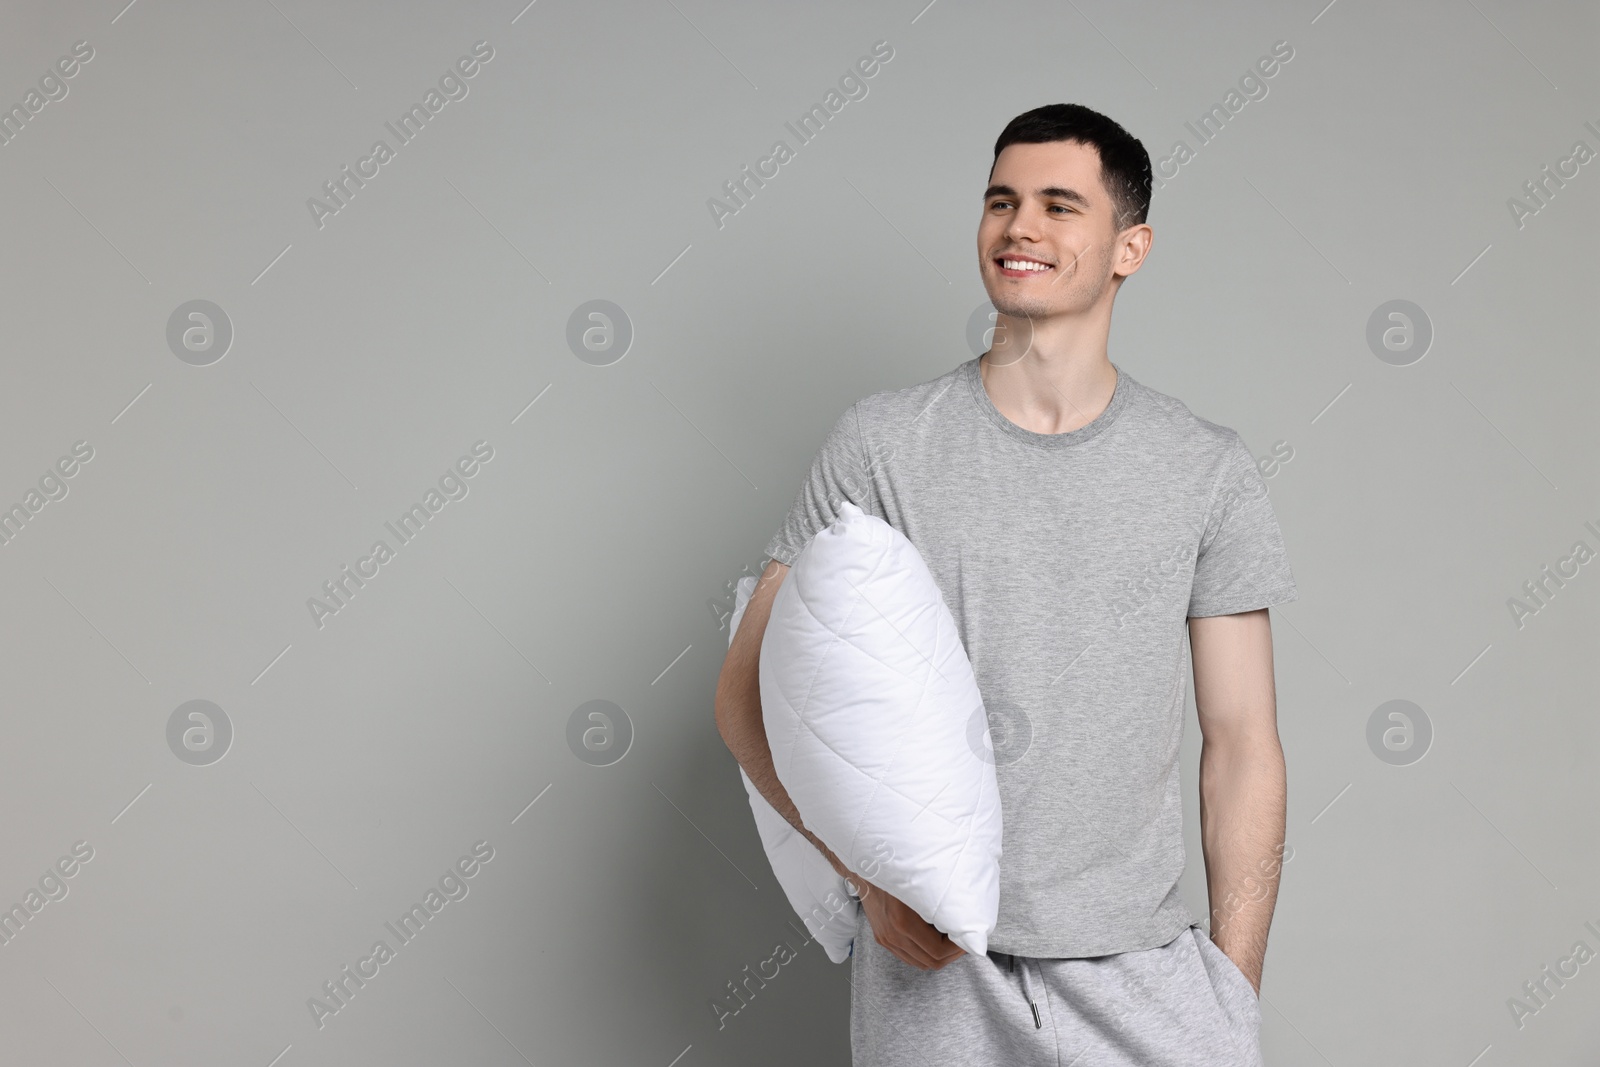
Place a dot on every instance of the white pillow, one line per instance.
(869, 703)
(815, 890)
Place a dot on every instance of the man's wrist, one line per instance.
(827, 853)
(853, 882)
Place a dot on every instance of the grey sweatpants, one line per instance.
(1183, 1004)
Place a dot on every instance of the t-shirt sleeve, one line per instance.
(1241, 564)
(838, 473)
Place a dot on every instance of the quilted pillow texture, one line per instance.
(815, 890)
(877, 728)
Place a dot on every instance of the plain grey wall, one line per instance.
(594, 554)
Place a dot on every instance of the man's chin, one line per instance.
(1028, 310)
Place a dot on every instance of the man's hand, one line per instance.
(903, 932)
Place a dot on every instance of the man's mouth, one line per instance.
(1021, 266)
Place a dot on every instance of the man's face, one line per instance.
(1046, 205)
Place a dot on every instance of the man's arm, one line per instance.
(738, 708)
(1243, 782)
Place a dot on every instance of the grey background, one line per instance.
(593, 558)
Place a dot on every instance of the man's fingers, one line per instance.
(931, 949)
(904, 939)
(946, 952)
(926, 936)
(911, 952)
(944, 947)
(907, 950)
(913, 940)
(887, 929)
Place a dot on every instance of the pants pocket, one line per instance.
(1229, 982)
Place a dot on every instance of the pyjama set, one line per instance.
(1071, 563)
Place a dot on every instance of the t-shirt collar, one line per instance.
(980, 396)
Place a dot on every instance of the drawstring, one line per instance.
(1027, 991)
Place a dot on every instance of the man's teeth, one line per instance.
(1023, 264)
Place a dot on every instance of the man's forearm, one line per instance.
(1243, 792)
(739, 719)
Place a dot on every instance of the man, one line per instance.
(1076, 522)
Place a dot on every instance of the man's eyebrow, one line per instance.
(1051, 191)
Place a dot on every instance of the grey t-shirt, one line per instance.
(1070, 562)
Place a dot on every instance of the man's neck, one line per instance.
(1045, 388)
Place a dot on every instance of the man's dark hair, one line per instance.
(1124, 164)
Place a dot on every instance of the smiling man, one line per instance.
(1079, 524)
